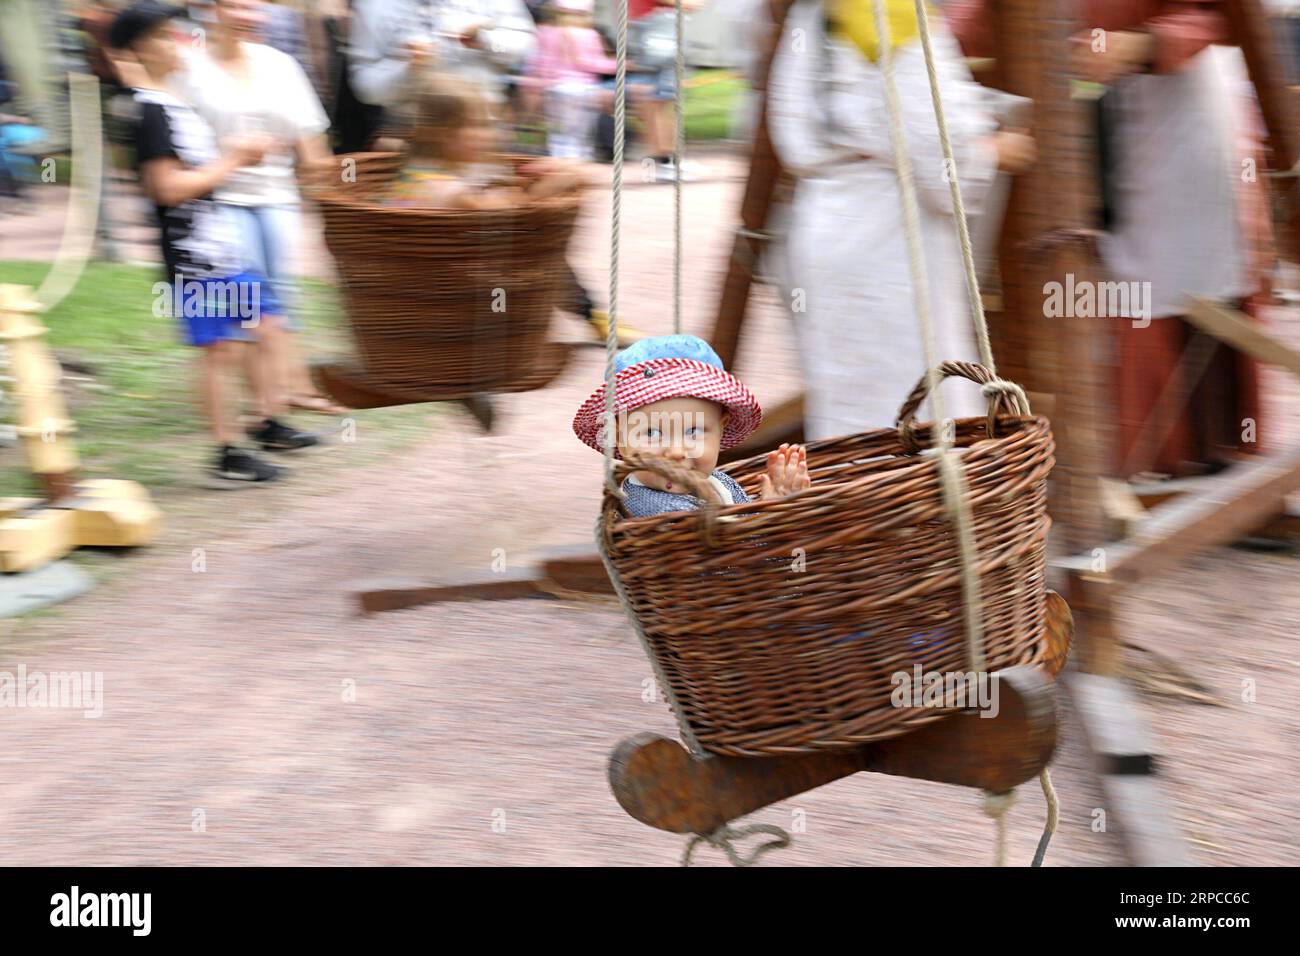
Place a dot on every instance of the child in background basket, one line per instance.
(674, 400)
(453, 162)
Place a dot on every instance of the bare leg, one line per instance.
(300, 390)
(219, 359)
(667, 126)
(267, 368)
(648, 112)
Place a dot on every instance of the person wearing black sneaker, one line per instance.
(239, 464)
(274, 435)
(223, 309)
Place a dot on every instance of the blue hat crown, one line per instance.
(667, 346)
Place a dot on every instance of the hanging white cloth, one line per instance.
(851, 295)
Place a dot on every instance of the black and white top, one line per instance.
(199, 239)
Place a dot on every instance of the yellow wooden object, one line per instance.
(99, 512)
(40, 417)
(111, 513)
(32, 535)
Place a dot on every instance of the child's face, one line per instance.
(686, 431)
(475, 141)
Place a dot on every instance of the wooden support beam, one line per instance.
(1124, 751)
(1238, 330)
(1283, 526)
(1251, 29)
(764, 174)
(1229, 505)
(780, 425)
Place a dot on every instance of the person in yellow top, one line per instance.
(846, 261)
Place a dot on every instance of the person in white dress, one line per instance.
(851, 293)
(242, 86)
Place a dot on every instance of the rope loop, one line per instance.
(1004, 397)
(1001, 391)
(726, 836)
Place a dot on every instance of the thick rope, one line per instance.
(997, 805)
(665, 687)
(954, 485)
(725, 837)
(1053, 815)
(955, 495)
(679, 147)
(615, 224)
(958, 206)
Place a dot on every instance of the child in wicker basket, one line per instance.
(675, 401)
(452, 162)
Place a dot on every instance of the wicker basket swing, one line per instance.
(777, 627)
(446, 303)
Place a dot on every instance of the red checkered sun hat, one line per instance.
(670, 366)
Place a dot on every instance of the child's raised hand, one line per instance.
(787, 472)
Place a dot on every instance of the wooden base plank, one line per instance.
(559, 570)
(396, 594)
(661, 784)
(1138, 805)
(33, 538)
(576, 569)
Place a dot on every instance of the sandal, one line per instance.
(316, 403)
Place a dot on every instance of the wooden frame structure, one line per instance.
(1063, 373)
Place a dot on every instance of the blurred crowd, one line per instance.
(224, 109)
(228, 106)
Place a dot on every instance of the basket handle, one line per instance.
(698, 485)
(1004, 397)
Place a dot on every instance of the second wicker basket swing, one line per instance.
(443, 304)
(781, 632)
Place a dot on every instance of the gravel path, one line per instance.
(251, 717)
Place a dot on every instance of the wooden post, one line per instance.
(41, 418)
(760, 187)
(1250, 30)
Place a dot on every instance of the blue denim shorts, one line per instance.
(663, 83)
(225, 309)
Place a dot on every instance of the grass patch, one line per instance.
(710, 102)
(136, 404)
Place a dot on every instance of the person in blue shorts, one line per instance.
(222, 307)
